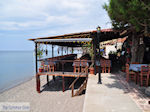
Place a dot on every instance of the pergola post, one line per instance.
(94, 48)
(62, 50)
(98, 46)
(36, 64)
(36, 67)
(72, 50)
(52, 51)
(52, 57)
(67, 50)
(63, 83)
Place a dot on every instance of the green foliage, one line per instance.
(129, 13)
(39, 51)
(112, 52)
(89, 49)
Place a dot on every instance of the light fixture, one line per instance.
(98, 29)
(147, 49)
(141, 41)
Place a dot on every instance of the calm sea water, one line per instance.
(15, 67)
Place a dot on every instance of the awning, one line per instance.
(64, 40)
(77, 39)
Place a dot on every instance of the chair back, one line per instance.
(51, 63)
(76, 63)
(102, 63)
(83, 63)
(145, 69)
(107, 63)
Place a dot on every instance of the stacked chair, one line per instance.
(51, 66)
(130, 75)
(76, 66)
(80, 66)
(44, 66)
(105, 65)
(84, 66)
(144, 75)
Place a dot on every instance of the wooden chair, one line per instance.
(144, 75)
(107, 66)
(76, 66)
(102, 64)
(44, 66)
(130, 74)
(51, 66)
(84, 66)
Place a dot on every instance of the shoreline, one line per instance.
(15, 85)
(51, 98)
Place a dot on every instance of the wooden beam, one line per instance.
(52, 57)
(67, 50)
(47, 80)
(62, 50)
(72, 86)
(52, 51)
(72, 90)
(73, 82)
(36, 65)
(64, 75)
(72, 50)
(122, 33)
(63, 84)
(94, 48)
(38, 83)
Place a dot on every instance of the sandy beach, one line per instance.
(51, 99)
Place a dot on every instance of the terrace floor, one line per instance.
(113, 95)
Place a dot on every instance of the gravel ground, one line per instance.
(51, 99)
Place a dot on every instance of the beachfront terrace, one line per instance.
(70, 65)
(67, 66)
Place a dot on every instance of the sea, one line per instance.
(17, 67)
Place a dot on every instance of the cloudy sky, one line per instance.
(24, 19)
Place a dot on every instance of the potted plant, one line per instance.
(40, 69)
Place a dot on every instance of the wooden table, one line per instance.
(136, 68)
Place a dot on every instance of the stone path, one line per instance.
(112, 96)
(135, 93)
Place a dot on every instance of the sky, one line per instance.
(21, 20)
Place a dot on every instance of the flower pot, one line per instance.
(40, 69)
(92, 70)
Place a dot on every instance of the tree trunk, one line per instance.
(134, 47)
(137, 51)
(140, 53)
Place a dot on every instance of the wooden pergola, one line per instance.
(73, 40)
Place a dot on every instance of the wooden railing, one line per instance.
(81, 88)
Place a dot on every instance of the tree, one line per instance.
(132, 15)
